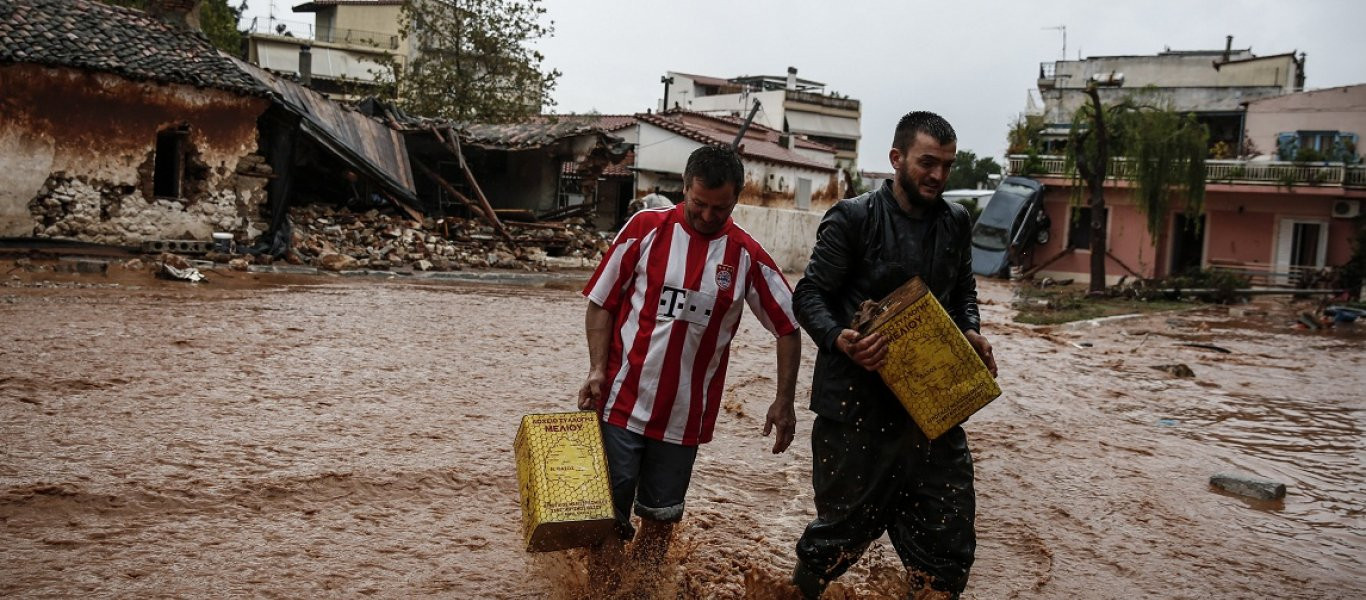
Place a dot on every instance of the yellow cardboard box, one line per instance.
(562, 476)
(931, 367)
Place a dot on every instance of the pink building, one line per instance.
(1263, 216)
(1247, 226)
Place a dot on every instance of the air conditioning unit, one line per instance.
(1346, 209)
(775, 183)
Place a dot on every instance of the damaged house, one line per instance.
(547, 168)
(126, 127)
(120, 127)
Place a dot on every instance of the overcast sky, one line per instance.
(971, 61)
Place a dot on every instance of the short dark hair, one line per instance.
(716, 166)
(925, 122)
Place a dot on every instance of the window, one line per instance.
(169, 169)
(1315, 146)
(1079, 230)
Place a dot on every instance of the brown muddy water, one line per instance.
(349, 438)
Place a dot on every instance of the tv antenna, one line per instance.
(1063, 29)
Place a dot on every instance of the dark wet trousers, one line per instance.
(868, 482)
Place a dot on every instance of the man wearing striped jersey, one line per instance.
(663, 307)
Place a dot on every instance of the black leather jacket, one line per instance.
(863, 253)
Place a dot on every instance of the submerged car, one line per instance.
(1012, 222)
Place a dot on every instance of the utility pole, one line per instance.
(740, 135)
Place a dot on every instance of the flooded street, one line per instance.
(326, 437)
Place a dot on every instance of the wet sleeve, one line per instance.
(769, 295)
(964, 298)
(826, 276)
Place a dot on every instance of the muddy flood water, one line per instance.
(334, 437)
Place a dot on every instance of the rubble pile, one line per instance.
(336, 238)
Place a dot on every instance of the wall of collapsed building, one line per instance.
(101, 158)
(526, 179)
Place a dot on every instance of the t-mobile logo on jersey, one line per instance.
(686, 305)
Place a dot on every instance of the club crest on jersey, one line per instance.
(725, 277)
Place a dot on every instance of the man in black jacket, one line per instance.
(874, 471)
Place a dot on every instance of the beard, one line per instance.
(903, 178)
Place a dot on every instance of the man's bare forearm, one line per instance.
(597, 326)
(789, 360)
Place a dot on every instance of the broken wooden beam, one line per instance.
(454, 144)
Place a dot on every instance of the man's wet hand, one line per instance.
(983, 348)
(590, 394)
(782, 416)
(869, 351)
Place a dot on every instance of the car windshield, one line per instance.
(988, 237)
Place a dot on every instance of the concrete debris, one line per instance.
(1248, 485)
(174, 260)
(379, 240)
(239, 264)
(331, 261)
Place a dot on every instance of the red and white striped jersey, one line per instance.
(675, 298)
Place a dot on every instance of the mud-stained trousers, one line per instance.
(919, 492)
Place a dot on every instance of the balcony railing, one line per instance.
(1224, 171)
(377, 39)
(823, 100)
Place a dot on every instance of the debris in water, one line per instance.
(1219, 349)
(1248, 485)
(1178, 369)
(190, 274)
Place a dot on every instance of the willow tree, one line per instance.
(473, 60)
(1164, 154)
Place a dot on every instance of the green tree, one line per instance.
(217, 18)
(473, 60)
(1165, 158)
(970, 172)
(1023, 137)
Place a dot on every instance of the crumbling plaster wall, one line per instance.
(77, 151)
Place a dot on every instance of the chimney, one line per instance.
(182, 13)
(1299, 73)
(306, 65)
(1228, 47)
(792, 79)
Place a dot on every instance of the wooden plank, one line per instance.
(454, 144)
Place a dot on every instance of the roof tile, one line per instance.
(90, 35)
(760, 143)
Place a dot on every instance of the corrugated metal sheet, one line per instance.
(371, 147)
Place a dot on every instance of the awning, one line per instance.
(823, 125)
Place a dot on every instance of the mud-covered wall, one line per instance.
(78, 149)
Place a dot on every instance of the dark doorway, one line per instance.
(1304, 246)
(169, 168)
(1079, 228)
(1188, 244)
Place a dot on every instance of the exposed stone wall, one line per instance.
(78, 155)
(99, 211)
